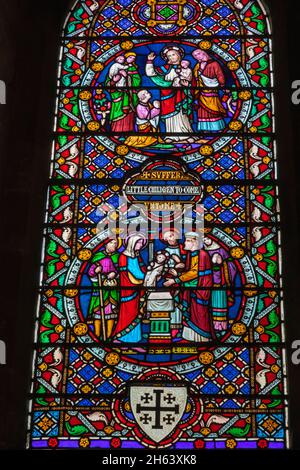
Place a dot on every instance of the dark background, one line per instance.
(29, 47)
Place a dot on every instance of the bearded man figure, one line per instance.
(197, 278)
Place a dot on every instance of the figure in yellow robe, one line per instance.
(147, 121)
(208, 78)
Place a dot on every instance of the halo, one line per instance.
(166, 230)
(166, 49)
(118, 240)
(128, 54)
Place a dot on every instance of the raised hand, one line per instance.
(217, 259)
(151, 56)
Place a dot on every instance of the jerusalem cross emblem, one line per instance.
(158, 410)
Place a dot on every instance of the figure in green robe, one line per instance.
(123, 80)
(103, 272)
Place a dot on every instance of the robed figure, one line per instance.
(176, 102)
(132, 273)
(196, 282)
(208, 78)
(177, 262)
(105, 296)
(224, 273)
(123, 80)
(147, 118)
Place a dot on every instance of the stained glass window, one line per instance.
(154, 333)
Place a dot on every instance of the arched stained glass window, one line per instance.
(160, 321)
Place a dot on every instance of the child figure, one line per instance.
(185, 73)
(157, 269)
(117, 73)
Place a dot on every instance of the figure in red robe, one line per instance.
(208, 78)
(132, 273)
(176, 102)
(197, 278)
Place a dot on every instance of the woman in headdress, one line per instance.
(208, 78)
(176, 102)
(132, 273)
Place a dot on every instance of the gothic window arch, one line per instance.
(151, 335)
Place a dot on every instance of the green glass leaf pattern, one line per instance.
(239, 432)
(77, 430)
(55, 199)
(78, 15)
(41, 391)
(260, 25)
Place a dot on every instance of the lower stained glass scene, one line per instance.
(160, 320)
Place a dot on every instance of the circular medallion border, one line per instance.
(85, 338)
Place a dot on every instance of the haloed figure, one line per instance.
(176, 103)
(104, 302)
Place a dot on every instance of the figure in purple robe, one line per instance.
(147, 118)
(224, 272)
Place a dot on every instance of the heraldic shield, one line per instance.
(158, 410)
